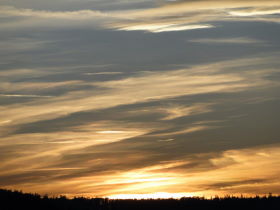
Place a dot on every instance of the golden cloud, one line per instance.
(174, 16)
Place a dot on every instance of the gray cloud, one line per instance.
(175, 111)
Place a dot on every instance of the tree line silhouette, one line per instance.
(16, 200)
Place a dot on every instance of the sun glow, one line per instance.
(158, 195)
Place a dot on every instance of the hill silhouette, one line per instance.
(16, 200)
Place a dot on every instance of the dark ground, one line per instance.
(15, 200)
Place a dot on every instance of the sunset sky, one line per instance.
(140, 98)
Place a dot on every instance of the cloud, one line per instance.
(23, 44)
(144, 129)
(44, 18)
(184, 14)
(35, 86)
(141, 88)
(255, 12)
(24, 96)
(103, 73)
(174, 111)
(88, 153)
(71, 15)
(173, 16)
(223, 41)
(157, 28)
(179, 113)
(207, 180)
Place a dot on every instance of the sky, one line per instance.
(140, 98)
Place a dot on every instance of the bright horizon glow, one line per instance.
(158, 195)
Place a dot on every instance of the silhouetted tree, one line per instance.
(16, 200)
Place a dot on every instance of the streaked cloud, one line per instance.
(103, 73)
(142, 88)
(196, 14)
(111, 132)
(20, 95)
(22, 44)
(82, 14)
(37, 86)
(255, 12)
(175, 111)
(232, 167)
(172, 16)
(227, 173)
(164, 28)
(236, 40)
(82, 152)
(97, 99)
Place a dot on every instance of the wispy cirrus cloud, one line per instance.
(157, 28)
(134, 108)
(183, 82)
(173, 16)
(9, 11)
(225, 172)
(24, 96)
(235, 40)
(186, 14)
(86, 148)
(255, 12)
